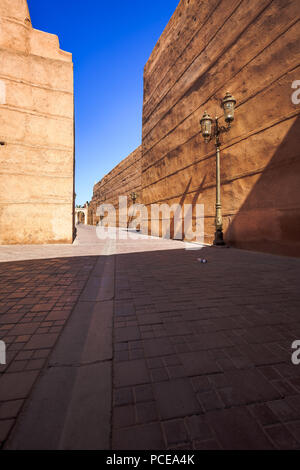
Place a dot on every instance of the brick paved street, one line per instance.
(134, 344)
(37, 298)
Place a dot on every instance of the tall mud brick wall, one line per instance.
(251, 49)
(123, 180)
(37, 128)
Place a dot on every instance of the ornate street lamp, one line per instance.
(210, 129)
(134, 197)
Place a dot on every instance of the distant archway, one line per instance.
(82, 210)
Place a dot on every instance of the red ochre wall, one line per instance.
(123, 180)
(251, 49)
(37, 129)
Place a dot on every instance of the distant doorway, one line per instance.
(81, 214)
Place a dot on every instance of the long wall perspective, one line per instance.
(37, 129)
(252, 50)
(123, 180)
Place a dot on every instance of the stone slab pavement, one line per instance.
(135, 344)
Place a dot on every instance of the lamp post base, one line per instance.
(218, 241)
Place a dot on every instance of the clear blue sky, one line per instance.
(111, 42)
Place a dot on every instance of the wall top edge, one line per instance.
(105, 177)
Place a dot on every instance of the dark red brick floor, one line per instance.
(36, 300)
(202, 353)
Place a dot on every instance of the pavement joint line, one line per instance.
(98, 301)
(56, 366)
(115, 257)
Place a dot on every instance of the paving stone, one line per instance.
(176, 398)
(42, 307)
(287, 370)
(211, 341)
(10, 318)
(198, 429)
(124, 308)
(158, 375)
(58, 315)
(263, 414)
(171, 361)
(270, 373)
(22, 339)
(136, 354)
(142, 437)
(201, 384)
(135, 345)
(236, 429)
(10, 409)
(123, 416)
(146, 412)
(155, 363)
(283, 410)
(16, 346)
(42, 341)
(144, 393)
(87, 390)
(130, 373)
(178, 447)
(176, 371)
(284, 387)
(59, 425)
(120, 347)
(294, 429)
(87, 337)
(123, 396)
(17, 366)
(210, 401)
(157, 347)
(240, 362)
(261, 355)
(16, 385)
(35, 364)
(197, 363)
(175, 432)
(24, 329)
(130, 333)
(40, 354)
(294, 402)
(295, 382)
(245, 387)
(121, 356)
(5, 427)
(282, 437)
(206, 445)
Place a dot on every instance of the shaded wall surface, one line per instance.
(123, 180)
(37, 127)
(252, 50)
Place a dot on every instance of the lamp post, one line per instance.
(210, 129)
(134, 197)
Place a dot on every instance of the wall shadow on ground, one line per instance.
(177, 230)
(212, 319)
(269, 219)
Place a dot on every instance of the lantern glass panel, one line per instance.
(206, 128)
(229, 111)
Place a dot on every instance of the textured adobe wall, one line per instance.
(124, 179)
(252, 50)
(36, 116)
